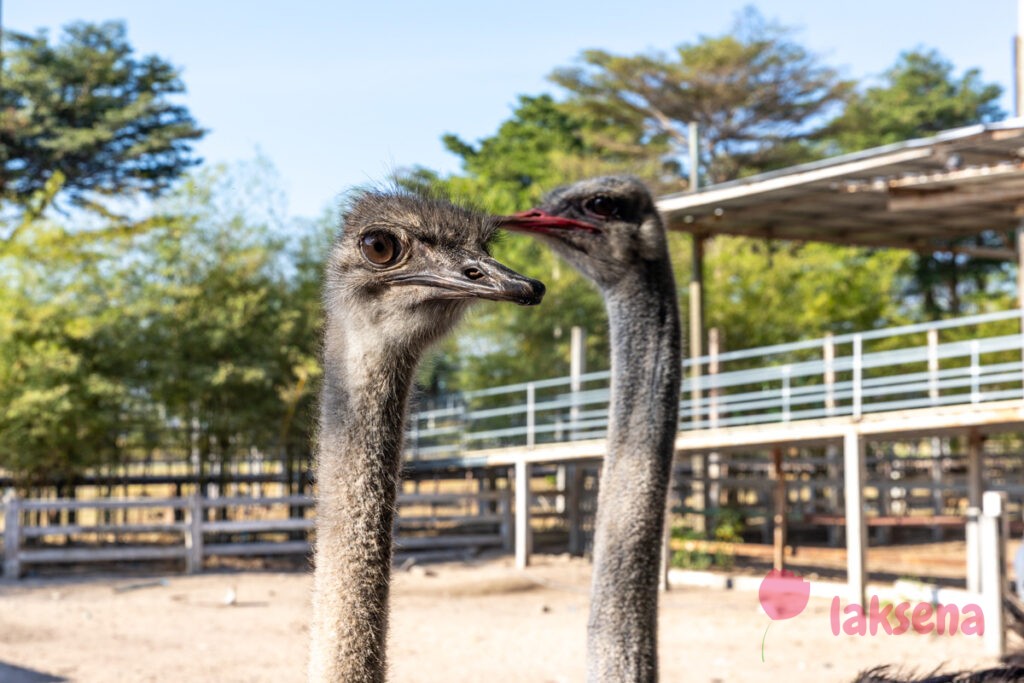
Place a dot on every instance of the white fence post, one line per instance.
(12, 535)
(858, 375)
(828, 353)
(975, 371)
(993, 573)
(933, 365)
(577, 366)
(531, 415)
(786, 392)
(194, 535)
(856, 529)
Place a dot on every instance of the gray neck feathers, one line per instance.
(363, 404)
(644, 323)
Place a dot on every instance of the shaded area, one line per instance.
(10, 673)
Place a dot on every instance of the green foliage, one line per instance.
(699, 555)
(919, 95)
(760, 293)
(197, 336)
(90, 110)
(754, 92)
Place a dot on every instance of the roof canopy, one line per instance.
(920, 194)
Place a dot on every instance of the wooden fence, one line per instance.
(193, 529)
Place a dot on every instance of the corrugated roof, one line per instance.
(919, 194)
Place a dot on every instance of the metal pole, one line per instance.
(1018, 58)
(694, 144)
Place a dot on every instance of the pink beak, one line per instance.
(536, 220)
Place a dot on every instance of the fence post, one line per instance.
(933, 365)
(828, 353)
(993, 573)
(194, 534)
(524, 537)
(975, 486)
(975, 371)
(856, 529)
(531, 415)
(858, 375)
(714, 343)
(786, 391)
(12, 535)
(577, 366)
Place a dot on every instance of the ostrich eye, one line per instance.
(380, 248)
(602, 206)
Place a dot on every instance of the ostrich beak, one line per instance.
(479, 278)
(536, 220)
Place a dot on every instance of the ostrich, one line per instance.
(609, 230)
(398, 278)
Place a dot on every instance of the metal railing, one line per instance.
(961, 361)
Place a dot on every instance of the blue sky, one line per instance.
(340, 93)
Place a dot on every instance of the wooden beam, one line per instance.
(973, 175)
(524, 535)
(921, 245)
(713, 196)
(779, 505)
(931, 201)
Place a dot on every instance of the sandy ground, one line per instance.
(451, 622)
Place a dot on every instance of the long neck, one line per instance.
(363, 404)
(644, 325)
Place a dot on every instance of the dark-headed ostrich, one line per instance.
(398, 278)
(609, 229)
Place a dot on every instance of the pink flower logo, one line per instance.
(783, 594)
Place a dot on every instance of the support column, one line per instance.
(696, 325)
(698, 492)
(938, 494)
(834, 472)
(577, 367)
(974, 491)
(993, 573)
(574, 513)
(524, 534)
(12, 535)
(779, 509)
(856, 529)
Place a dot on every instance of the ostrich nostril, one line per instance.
(473, 273)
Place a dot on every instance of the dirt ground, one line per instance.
(483, 621)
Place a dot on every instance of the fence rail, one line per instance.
(963, 361)
(193, 529)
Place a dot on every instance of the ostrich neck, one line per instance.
(363, 403)
(644, 324)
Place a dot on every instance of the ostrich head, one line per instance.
(605, 227)
(406, 267)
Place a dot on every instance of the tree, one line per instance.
(918, 96)
(90, 114)
(196, 337)
(756, 95)
(539, 147)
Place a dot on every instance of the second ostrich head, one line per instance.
(605, 227)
